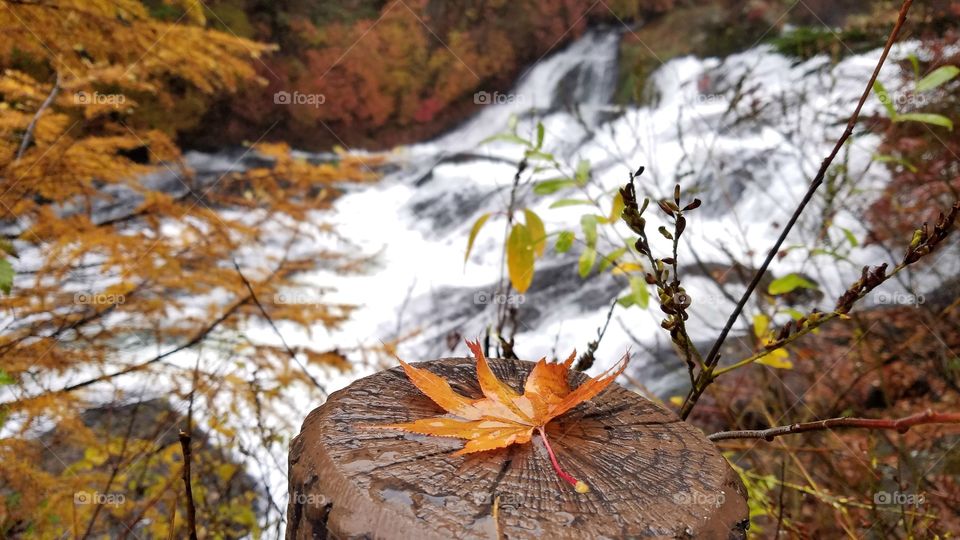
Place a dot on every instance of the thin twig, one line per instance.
(704, 378)
(586, 360)
(28, 134)
(191, 508)
(901, 425)
(293, 355)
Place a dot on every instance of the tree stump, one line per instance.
(650, 474)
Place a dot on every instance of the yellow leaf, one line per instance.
(777, 358)
(520, 256)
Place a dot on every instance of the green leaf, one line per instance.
(583, 172)
(894, 159)
(589, 224)
(554, 185)
(926, 118)
(7, 247)
(6, 276)
(937, 78)
(507, 137)
(788, 283)
(5, 378)
(850, 237)
(540, 133)
(611, 258)
(587, 260)
(564, 241)
(477, 225)
(915, 62)
(537, 231)
(626, 300)
(562, 203)
(539, 155)
(639, 291)
(520, 251)
(884, 98)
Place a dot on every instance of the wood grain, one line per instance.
(651, 475)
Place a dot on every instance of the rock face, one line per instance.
(651, 475)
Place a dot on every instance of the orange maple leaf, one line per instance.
(504, 417)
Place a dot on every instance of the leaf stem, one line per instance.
(581, 487)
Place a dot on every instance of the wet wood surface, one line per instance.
(651, 475)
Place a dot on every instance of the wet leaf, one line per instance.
(503, 417)
(520, 256)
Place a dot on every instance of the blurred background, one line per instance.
(216, 213)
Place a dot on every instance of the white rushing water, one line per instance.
(749, 156)
(745, 134)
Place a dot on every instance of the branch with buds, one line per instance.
(673, 298)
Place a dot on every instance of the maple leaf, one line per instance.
(503, 417)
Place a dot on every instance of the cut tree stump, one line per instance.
(651, 475)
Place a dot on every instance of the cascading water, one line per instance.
(745, 134)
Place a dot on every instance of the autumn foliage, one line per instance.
(117, 258)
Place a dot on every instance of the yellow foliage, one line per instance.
(106, 287)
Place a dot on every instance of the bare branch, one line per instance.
(704, 378)
(901, 425)
(28, 134)
(191, 508)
